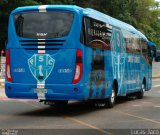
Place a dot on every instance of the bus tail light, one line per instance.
(78, 68)
(8, 67)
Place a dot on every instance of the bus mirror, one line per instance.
(152, 49)
(154, 53)
(157, 58)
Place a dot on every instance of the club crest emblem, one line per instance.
(41, 66)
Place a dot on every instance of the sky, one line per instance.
(158, 0)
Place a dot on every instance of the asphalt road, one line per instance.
(155, 69)
(77, 116)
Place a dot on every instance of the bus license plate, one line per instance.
(43, 91)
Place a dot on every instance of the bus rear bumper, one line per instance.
(54, 91)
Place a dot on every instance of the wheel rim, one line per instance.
(113, 96)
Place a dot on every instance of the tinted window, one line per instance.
(144, 48)
(132, 42)
(43, 24)
(96, 34)
(129, 45)
(136, 44)
(146, 52)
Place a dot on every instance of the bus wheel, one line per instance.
(140, 94)
(112, 99)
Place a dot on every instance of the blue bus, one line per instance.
(57, 53)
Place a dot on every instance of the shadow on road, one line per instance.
(72, 109)
(123, 100)
(76, 108)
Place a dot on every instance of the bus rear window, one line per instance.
(43, 24)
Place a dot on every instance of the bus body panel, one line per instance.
(54, 69)
(98, 80)
(56, 66)
(54, 91)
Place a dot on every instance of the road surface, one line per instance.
(78, 116)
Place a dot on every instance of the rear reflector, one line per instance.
(78, 68)
(8, 67)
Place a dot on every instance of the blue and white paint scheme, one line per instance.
(66, 52)
(118, 52)
(41, 66)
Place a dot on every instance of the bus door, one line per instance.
(129, 62)
(150, 59)
(136, 62)
(146, 65)
(133, 62)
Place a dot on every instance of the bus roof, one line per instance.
(48, 7)
(87, 11)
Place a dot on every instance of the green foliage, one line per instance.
(142, 14)
(6, 6)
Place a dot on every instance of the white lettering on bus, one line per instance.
(41, 58)
(41, 34)
(133, 59)
(31, 61)
(50, 62)
(67, 70)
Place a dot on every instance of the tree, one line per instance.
(6, 6)
(142, 14)
(147, 13)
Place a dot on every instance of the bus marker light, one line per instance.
(75, 90)
(78, 68)
(8, 70)
(9, 87)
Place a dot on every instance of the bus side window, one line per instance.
(129, 45)
(136, 44)
(128, 40)
(144, 48)
(83, 31)
(95, 33)
(150, 55)
(146, 52)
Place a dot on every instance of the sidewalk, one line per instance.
(2, 82)
(156, 70)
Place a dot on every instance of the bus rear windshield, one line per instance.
(43, 24)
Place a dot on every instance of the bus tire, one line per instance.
(112, 99)
(140, 94)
